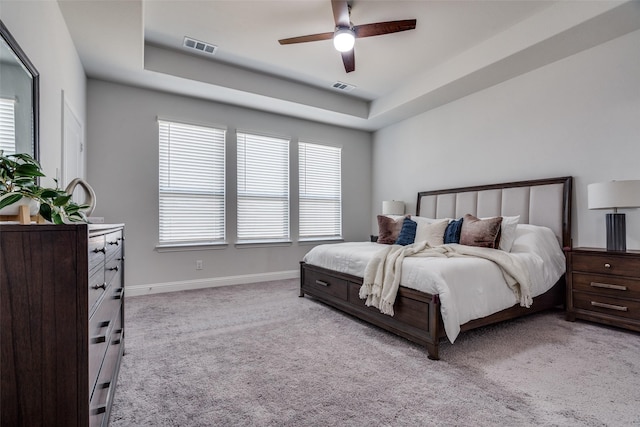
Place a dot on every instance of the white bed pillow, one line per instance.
(424, 219)
(507, 231)
(431, 232)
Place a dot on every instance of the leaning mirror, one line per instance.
(19, 98)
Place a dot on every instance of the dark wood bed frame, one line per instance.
(417, 314)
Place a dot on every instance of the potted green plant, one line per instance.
(19, 175)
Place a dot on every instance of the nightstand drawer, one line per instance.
(616, 287)
(606, 305)
(606, 264)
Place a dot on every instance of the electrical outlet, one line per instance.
(199, 264)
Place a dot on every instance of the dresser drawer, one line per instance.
(324, 284)
(97, 251)
(97, 286)
(606, 264)
(101, 325)
(113, 271)
(113, 244)
(105, 385)
(612, 286)
(607, 305)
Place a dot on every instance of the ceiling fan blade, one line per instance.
(309, 38)
(341, 13)
(349, 60)
(379, 28)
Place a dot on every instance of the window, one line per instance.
(320, 191)
(263, 188)
(192, 178)
(7, 126)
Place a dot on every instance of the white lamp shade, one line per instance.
(392, 207)
(614, 194)
(344, 39)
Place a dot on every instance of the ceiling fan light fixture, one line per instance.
(344, 39)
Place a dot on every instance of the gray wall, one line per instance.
(579, 116)
(122, 167)
(40, 30)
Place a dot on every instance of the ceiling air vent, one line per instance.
(345, 87)
(200, 46)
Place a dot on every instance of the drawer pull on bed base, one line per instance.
(321, 283)
(608, 286)
(610, 306)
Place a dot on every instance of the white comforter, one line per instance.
(469, 288)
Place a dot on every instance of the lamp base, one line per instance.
(616, 232)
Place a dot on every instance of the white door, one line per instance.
(73, 158)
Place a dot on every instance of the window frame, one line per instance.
(242, 193)
(303, 186)
(218, 194)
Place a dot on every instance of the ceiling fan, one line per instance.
(345, 32)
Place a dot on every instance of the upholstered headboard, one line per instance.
(545, 202)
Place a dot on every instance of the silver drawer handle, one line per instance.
(610, 306)
(607, 265)
(321, 283)
(98, 340)
(103, 286)
(99, 410)
(96, 250)
(608, 286)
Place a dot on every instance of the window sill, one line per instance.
(180, 247)
(262, 243)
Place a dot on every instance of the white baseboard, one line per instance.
(156, 288)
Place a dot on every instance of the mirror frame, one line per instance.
(35, 85)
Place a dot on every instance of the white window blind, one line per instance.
(192, 179)
(263, 188)
(320, 191)
(7, 126)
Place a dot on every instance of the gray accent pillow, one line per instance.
(389, 229)
(484, 233)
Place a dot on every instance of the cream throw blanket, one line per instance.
(382, 273)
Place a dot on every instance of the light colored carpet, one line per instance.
(259, 355)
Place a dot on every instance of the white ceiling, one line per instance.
(457, 48)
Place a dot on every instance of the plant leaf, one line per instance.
(45, 211)
(48, 193)
(9, 200)
(61, 200)
(28, 170)
(57, 219)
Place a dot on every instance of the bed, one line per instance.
(543, 205)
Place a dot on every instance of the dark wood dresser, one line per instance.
(604, 287)
(62, 330)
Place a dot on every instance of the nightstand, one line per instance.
(604, 287)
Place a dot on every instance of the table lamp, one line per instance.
(615, 195)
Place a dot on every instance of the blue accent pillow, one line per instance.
(452, 232)
(408, 232)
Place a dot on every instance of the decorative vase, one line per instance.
(14, 208)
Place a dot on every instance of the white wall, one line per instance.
(579, 116)
(122, 147)
(40, 30)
